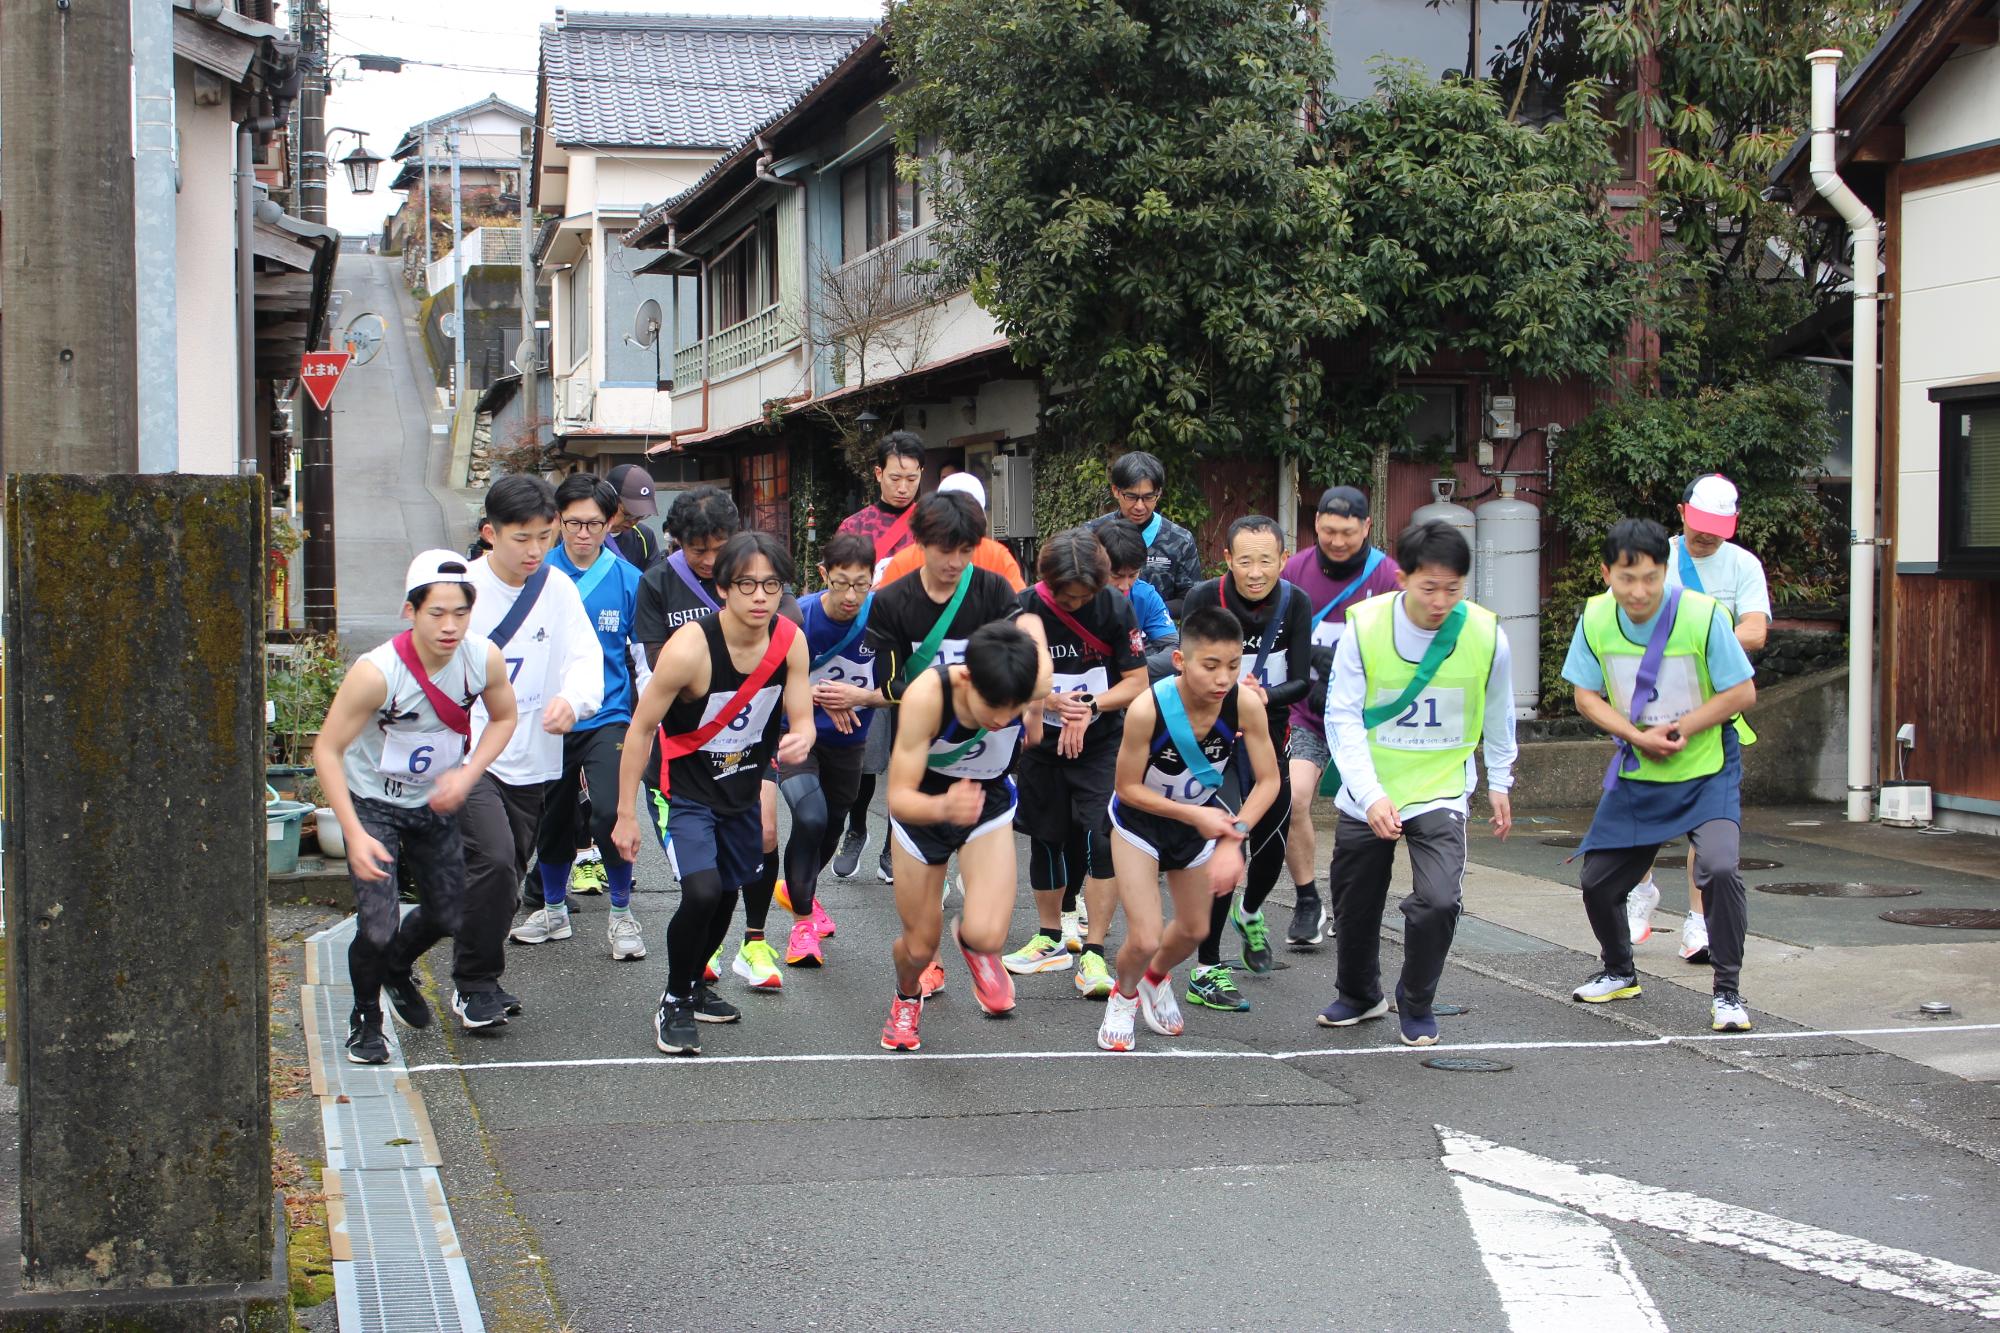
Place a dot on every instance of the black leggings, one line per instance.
(864, 796)
(697, 930)
(1065, 867)
(1266, 858)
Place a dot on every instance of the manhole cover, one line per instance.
(1450, 1010)
(1746, 863)
(1947, 918)
(1567, 840)
(1467, 1064)
(1828, 889)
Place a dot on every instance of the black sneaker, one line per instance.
(883, 868)
(848, 859)
(510, 1002)
(480, 1009)
(1308, 922)
(365, 1043)
(673, 1028)
(712, 1008)
(408, 1002)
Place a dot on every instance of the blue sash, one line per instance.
(587, 581)
(1690, 578)
(1368, 568)
(679, 561)
(1151, 530)
(1167, 696)
(853, 632)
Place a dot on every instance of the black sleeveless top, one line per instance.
(725, 774)
(1167, 771)
(987, 760)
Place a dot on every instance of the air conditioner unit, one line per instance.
(577, 398)
(1011, 498)
(1906, 804)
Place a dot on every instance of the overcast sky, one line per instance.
(492, 42)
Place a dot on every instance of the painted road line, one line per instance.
(1808, 1249)
(1178, 1053)
(1557, 1271)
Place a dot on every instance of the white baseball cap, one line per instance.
(435, 566)
(965, 483)
(1709, 505)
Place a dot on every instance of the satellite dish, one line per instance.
(646, 323)
(524, 355)
(363, 338)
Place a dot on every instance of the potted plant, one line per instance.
(300, 682)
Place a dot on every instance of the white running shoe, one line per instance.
(1116, 1032)
(1072, 931)
(1639, 906)
(1082, 911)
(1694, 938)
(1159, 1008)
(1728, 1013)
(622, 933)
(543, 924)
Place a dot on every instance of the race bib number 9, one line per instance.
(984, 761)
(1434, 720)
(1676, 694)
(743, 730)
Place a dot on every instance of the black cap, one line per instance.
(1344, 502)
(635, 490)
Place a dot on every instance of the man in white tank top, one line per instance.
(392, 758)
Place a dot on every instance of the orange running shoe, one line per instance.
(992, 986)
(822, 923)
(900, 1032)
(932, 981)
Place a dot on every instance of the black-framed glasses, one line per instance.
(584, 524)
(846, 585)
(1139, 497)
(749, 586)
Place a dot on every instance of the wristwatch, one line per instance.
(1093, 707)
(1242, 831)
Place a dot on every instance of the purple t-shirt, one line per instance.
(1304, 570)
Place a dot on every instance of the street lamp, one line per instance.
(361, 164)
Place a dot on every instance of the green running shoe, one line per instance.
(1093, 978)
(1214, 988)
(1256, 939)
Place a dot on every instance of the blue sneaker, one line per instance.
(1343, 1013)
(1417, 1029)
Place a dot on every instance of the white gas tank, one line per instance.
(1507, 555)
(1458, 516)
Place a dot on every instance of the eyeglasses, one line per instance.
(845, 585)
(749, 586)
(583, 524)
(1140, 497)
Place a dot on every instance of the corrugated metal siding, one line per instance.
(1948, 681)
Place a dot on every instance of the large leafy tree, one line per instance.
(1133, 193)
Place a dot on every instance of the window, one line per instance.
(744, 280)
(876, 206)
(764, 491)
(1435, 423)
(1969, 479)
(576, 314)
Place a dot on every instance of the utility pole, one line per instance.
(528, 337)
(457, 284)
(316, 427)
(429, 258)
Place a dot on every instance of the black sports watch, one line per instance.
(1093, 707)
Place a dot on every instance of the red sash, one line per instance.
(679, 747)
(453, 715)
(891, 537)
(1090, 641)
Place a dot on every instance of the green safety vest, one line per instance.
(1420, 753)
(1682, 687)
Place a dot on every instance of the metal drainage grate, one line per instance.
(376, 1133)
(1829, 889)
(404, 1295)
(1946, 918)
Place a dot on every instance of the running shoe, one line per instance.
(543, 925)
(992, 987)
(1414, 1029)
(1082, 913)
(1343, 1013)
(884, 871)
(1256, 939)
(1639, 905)
(510, 1004)
(711, 971)
(1117, 1031)
(621, 932)
(1043, 953)
(589, 876)
(480, 1009)
(821, 921)
(1093, 978)
(1694, 938)
(802, 949)
(757, 963)
(1159, 1008)
(932, 981)
(365, 1043)
(408, 1002)
(848, 859)
(1214, 988)
(1604, 987)
(712, 1008)
(1308, 922)
(1728, 1013)
(900, 1032)
(674, 1030)
(1072, 931)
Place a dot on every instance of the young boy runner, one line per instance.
(1128, 555)
(1339, 571)
(1277, 666)
(556, 666)
(948, 793)
(1065, 781)
(1170, 815)
(1420, 679)
(718, 686)
(392, 759)
(1661, 671)
(583, 794)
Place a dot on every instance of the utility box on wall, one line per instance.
(1011, 504)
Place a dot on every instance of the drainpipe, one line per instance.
(1867, 233)
(805, 278)
(154, 171)
(248, 455)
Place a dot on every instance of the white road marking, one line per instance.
(1557, 1270)
(1848, 1259)
(1185, 1053)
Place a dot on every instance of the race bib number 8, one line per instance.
(743, 730)
(1434, 720)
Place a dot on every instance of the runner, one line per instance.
(1340, 570)
(556, 667)
(1122, 543)
(1173, 561)
(1701, 560)
(1170, 814)
(1678, 769)
(718, 685)
(391, 757)
(988, 554)
(928, 619)
(1277, 651)
(580, 804)
(949, 793)
(1065, 781)
(1422, 678)
(633, 486)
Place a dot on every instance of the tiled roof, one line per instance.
(681, 81)
(408, 144)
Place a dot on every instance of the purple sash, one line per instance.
(679, 561)
(1646, 685)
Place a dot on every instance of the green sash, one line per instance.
(928, 649)
(958, 752)
(1441, 647)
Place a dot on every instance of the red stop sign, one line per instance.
(320, 372)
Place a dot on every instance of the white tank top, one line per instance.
(405, 747)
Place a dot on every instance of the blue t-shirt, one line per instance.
(855, 665)
(610, 603)
(1728, 665)
(1151, 610)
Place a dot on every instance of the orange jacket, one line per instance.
(988, 555)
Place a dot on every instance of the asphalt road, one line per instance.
(1011, 1176)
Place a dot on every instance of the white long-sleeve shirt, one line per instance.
(554, 653)
(1346, 691)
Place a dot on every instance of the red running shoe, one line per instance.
(991, 984)
(900, 1032)
(932, 981)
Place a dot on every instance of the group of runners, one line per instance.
(1133, 720)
